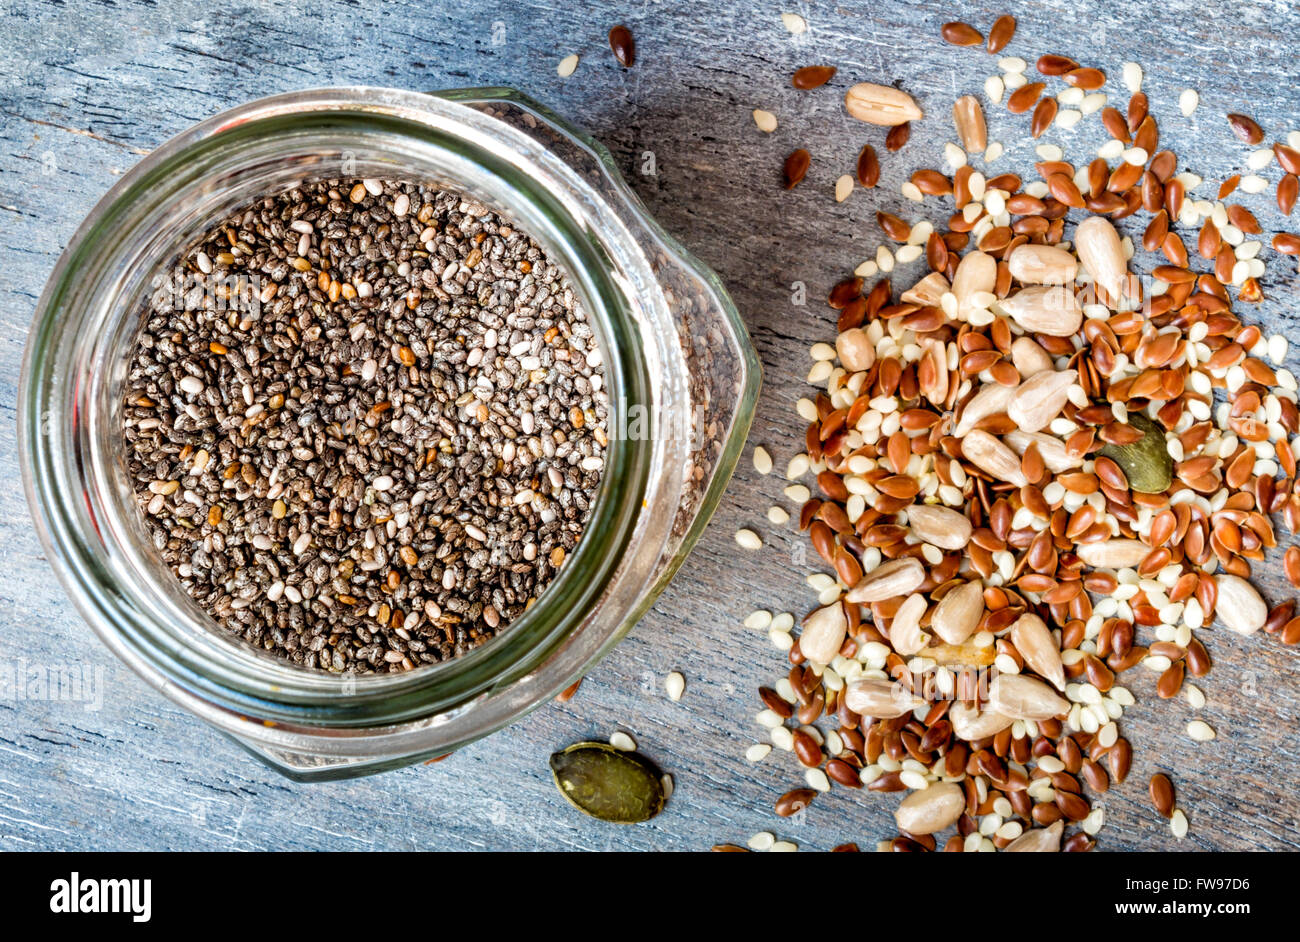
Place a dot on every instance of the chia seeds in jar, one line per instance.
(365, 422)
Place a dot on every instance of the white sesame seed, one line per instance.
(1188, 101)
(1260, 158)
(567, 66)
(1108, 735)
(1093, 103)
(1070, 95)
(817, 780)
(748, 539)
(1132, 76)
(1178, 823)
(675, 686)
(1006, 664)
(777, 515)
(1200, 731)
(1011, 830)
(1068, 117)
(1111, 149)
(1157, 663)
(913, 780)
(764, 120)
(763, 840)
(762, 460)
(758, 752)
(908, 254)
(843, 187)
(794, 23)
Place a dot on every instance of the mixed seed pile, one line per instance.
(1033, 472)
(366, 423)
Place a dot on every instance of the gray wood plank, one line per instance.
(85, 89)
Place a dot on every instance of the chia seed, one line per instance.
(365, 424)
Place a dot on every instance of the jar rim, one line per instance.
(288, 694)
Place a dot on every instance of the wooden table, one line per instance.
(85, 89)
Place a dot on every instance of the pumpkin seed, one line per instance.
(608, 783)
(1146, 462)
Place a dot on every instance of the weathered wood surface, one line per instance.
(86, 88)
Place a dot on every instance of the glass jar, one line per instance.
(681, 375)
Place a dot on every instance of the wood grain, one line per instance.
(86, 88)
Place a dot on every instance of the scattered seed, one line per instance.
(843, 187)
(1001, 33)
(1245, 128)
(868, 167)
(796, 167)
(674, 686)
(567, 66)
(812, 76)
(1132, 76)
(609, 783)
(623, 45)
(794, 23)
(961, 34)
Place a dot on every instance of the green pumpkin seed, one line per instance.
(1146, 462)
(608, 783)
